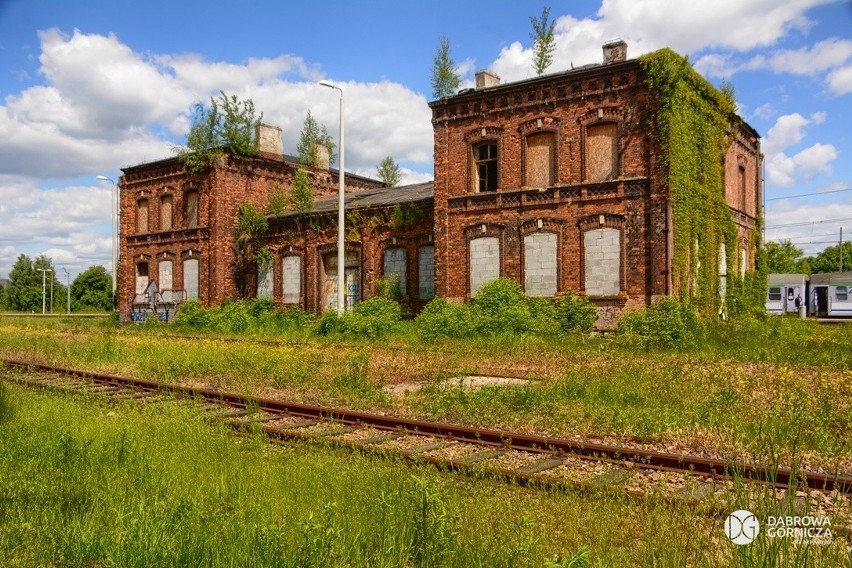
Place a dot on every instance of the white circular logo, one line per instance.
(742, 527)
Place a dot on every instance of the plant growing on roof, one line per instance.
(545, 43)
(445, 79)
(388, 171)
(227, 125)
(314, 134)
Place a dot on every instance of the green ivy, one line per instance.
(692, 128)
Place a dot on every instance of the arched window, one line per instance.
(484, 261)
(191, 209)
(291, 277)
(602, 261)
(142, 216)
(601, 152)
(396, 264)
(486, 166)
(190, 278)
(166, 268)
(540, 160)
(540, 264)
(166, 212)
(426, 272)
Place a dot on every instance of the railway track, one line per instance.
(521, 458)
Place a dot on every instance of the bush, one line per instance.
(667, 323)
(500, 306)
(389, 288)
(442, 319)
(575, 313)
(192, 314)
(372, 318)
(329, 323)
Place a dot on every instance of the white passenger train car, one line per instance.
(783, 290)
(831, 294)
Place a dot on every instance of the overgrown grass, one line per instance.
(86, 483)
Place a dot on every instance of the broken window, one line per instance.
(485, 155)
(264, 281)
(601, 152)
(142, 216)
(141, 277)
(540, 163)
(191, 210)
(166, 212)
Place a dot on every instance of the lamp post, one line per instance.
(44, 272)
(68, 288)
(341, 281)
(113, 216)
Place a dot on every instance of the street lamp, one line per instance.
(44, 272)
(68, 287)
(113, 216)
(340, 203)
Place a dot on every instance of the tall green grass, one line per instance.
(85, 483)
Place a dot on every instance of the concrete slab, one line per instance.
(468, 383)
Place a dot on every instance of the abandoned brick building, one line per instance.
(573, 181)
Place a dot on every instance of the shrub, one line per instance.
(232, 317)
(372, 318)
(329, 323)
(440, 318)
(389, 288)
(500, 306)
(192, 314)
(575, 313)
(666, 323)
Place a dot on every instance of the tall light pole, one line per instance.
(341, 250)
(68, 287)
(44, 272)
(113, 216)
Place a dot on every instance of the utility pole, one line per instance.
(841, 249)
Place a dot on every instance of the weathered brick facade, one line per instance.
(555, 182)
(567, 154)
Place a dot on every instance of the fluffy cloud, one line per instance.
(806, 224)
(686, 27)
(840, 81)
(789, 130)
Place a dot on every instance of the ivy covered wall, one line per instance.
(693, 126)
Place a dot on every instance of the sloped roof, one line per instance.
(380, 197)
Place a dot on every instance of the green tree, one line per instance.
(314, 134)
(24, 291)
(92, 290)
(248, 245)
(544, 41)
(227, 125)
(829, 259)
(445, 80)
(301, 195)
(389, 172)
(783, 257)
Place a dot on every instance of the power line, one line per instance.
(802, 224)
(808, 194)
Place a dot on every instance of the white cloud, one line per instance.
(811, 60)
(812, 229)
(789, 130)
(840, 81)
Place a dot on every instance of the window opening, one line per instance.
(486, 166)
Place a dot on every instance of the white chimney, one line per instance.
(615, 51)
(486, 78)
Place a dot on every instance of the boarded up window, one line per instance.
(484, 262)
(264, 281)
(741, 182)
(602, 261)
(723, 270)
(165, 280)
(395, 264)
(142, 216)
(141, 277)
(190, 278)
(291, 276)
(601, 152)
(426, 266)
(191, 213)
(166, 212)
(540, 264)
(540, 162)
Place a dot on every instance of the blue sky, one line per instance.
(89, 87)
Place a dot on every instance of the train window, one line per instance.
(790, 294)
(775, 294)
(841, 293)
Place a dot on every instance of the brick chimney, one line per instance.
(486, 78)
(269, 141)
(615, 51)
